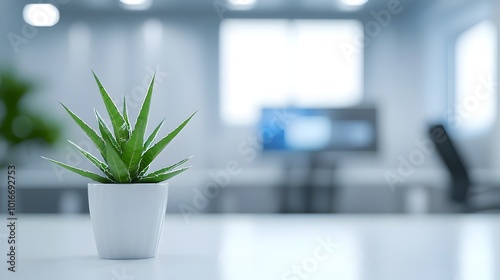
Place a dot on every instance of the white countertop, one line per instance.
(235, 247)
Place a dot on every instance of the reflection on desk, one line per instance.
(292, 247)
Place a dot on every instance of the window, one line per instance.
(475, 79)
(274, 63)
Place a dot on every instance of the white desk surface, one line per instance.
(262, 247)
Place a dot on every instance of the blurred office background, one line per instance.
(388, 69)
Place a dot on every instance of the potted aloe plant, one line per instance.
(127, 203)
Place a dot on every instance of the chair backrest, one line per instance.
(446, 149)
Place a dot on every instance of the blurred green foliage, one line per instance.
(18, 123)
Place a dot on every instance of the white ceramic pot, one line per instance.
(127, 219)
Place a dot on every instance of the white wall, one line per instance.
(405, 77)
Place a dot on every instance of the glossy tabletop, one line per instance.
(294, 247)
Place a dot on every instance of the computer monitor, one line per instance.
(318, 129)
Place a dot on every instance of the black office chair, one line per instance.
(474, 198)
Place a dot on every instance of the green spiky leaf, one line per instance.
(99, 164)
(152, 137)
(116, 165)
(162, 177)
(91, 134)
(125, 115)
(105, 132)
(81, 172)
(154, 151)
(117, 120)
(144, 171)
(167, 169)
(133, 148)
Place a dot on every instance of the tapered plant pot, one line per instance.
(127, 219)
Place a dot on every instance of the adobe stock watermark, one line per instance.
(137, 93)
(425, 148)
(325, 249)
(381, 19)
(484, 91)
(73, 157)
(28, 32)
(121, 275)
(134, 100)
(417, 157)
(248, 149)
(220, 7)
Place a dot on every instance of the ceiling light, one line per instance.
(41, 14)
(242, 4)
(136, 4)
(133, 2)
(354, 2)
